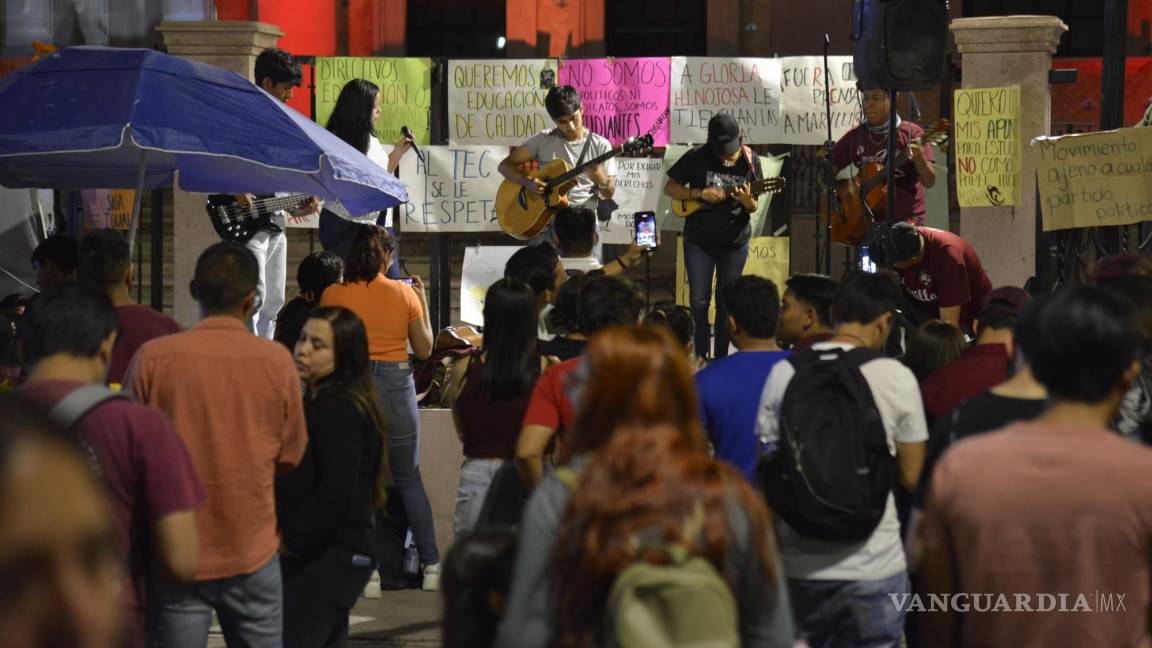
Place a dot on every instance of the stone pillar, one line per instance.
(1001, 51)
(233, 46)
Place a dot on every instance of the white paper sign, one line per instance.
(746, 88)
(455, 192)
(496, 101)
(639, 184)
(483, 266)
(802, 100)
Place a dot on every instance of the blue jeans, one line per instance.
(475, 477)
(700, 266)
(849, 614)
(249, 607)
(397, 394)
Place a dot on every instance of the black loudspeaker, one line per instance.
(900, 44)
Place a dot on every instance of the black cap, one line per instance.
(723, 134)
(904, 240)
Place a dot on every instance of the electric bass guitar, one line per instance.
(684, 208)
(523, 214)
(239, 223)
(864, 199)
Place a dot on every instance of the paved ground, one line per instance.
(408, 618)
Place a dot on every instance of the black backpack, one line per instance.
(831, 474)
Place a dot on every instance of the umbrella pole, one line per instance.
(137, 199)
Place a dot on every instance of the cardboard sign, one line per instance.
(405, 92)
(108, 208)
(639, 185)
(746, 88)
(1095, 179)
(987, 127)
(483, 266)
(455, 192)
(496, 101)
(622, 98)
(802, 105)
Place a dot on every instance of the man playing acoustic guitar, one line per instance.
(571, 142)
(868, 144)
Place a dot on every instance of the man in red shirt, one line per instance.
(106, 265)
(604, 301)
(940, 272)
(151, 485)
(983, 365)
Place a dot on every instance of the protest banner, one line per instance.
(405, 92)
(622, 98)
(667, 220)
(107, 208)
(768, 257)
(1095, 179)
(497, 101)
(639, 185)
(746, 88)
(987, 128)
(454, 192)
(483, 266)
(802, 108)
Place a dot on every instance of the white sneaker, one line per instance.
(372, 589)
(431, 578)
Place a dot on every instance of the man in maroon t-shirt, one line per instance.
(106, 264)
(150, 482)
(940, 272)
(868, 144)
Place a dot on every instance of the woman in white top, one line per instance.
(353, 120)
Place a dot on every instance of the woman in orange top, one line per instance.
(395, 314)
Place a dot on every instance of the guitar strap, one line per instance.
(584, 151)
(751, 164)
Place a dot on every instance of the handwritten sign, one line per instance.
(622, 98)
(405, 92)
(454, 192)
(1095, 179)
(108, 208)
(768, 257)
(639, 185)
(483, 266)
(987, 146)
(496, 102)
(668, 220)
(802, 105)
(746, 88)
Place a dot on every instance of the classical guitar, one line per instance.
(239, 223)
(688, 207)
(523, 214)
(865, 197)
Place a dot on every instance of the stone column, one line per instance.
(230, 45)
(1001, 51)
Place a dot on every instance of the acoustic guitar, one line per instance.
(684, 208)
(523, 214)
(864, 198)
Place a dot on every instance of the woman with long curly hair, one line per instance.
(643, 468)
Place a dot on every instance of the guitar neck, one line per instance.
(569, 175)
(274, 204)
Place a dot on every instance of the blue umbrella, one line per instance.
(98, 117)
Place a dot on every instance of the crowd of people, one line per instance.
(895, 458)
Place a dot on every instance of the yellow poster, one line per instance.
(1095, 179)
(405, 91)
(768, 257)
(108, 208)
(987, 128)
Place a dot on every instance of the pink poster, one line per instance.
(623, 97)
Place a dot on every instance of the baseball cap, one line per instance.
(723, 134)
(905, 241)
(1008, 300)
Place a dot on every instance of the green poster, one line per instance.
(667, 220)
(405, 92)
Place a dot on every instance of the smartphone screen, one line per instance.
(646, 229)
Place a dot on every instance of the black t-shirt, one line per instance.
(724, 226)
(984, 413)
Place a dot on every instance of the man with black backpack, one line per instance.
(840, 425)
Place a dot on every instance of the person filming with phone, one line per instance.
(716, 236)
(576, 239)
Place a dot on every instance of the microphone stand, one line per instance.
(831, 199)
(883, 229)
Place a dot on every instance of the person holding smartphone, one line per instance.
(716, 236)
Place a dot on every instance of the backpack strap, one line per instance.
(859, 356)
(75, 405)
